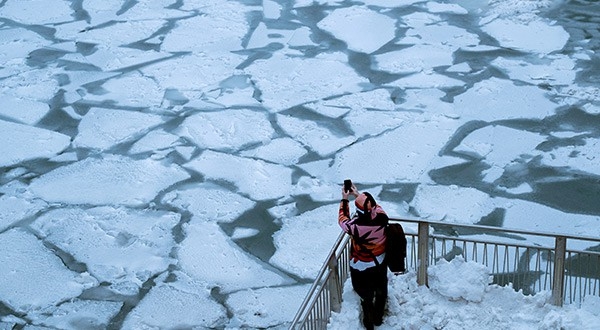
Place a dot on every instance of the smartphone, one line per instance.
(347, 185)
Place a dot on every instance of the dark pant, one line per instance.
(371, 285)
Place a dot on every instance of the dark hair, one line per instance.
(369, 199)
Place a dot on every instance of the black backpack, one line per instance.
(395, 248)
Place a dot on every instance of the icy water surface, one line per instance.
(177, 164)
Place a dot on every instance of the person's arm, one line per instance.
(344, 210)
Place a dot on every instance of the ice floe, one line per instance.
(127, 181)
(209, 202)
(403, 154)
(184, 303)
(38, 278)
(288, 81)
(304, 256)
(103, 128)
(120, 247)
(265, 307)
(206, 254)
(78, 314)
(362, 29)
(258, 180)
(14, 209)
(497, 99)
(226, 131)
(532, 36)
(27, 143)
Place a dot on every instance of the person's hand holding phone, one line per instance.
(349, 189)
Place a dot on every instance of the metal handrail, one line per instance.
(510, 263)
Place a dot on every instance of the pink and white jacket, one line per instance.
(368, 235)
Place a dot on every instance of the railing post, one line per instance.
(560, 251)
(335, 291)
(423, 253)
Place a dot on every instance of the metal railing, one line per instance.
(531, 261)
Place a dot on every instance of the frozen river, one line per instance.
(177, 163)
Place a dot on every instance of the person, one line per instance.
(368, 271)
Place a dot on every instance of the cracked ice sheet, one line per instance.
(25, 111)
(455, 204)
(226, 130)
(79, 314)
(222, 29)
(500, 146)
(207, 254)
(155, 141)
(533, 35)
(37, 11)
(554, 70)
(14, 209)
(21, 143)
(38, 85)
(37, 277)
(451, 203)
(405, 154)
(181, 304)
(414, 59)
(131, 90)
(440, 34)
(194, 72)
(209, 202)
(303, 257)
(265, 308)
(362, 29)
(584, 158)
(288, 81)
(498, 99)
(109, 180)
(427, 80)
(128, 246)
(316, 137)
(17, 43)
(284, 151)
(102, 11)
(121, 33)
(255, 178)
(103, 128)
(377, 99)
